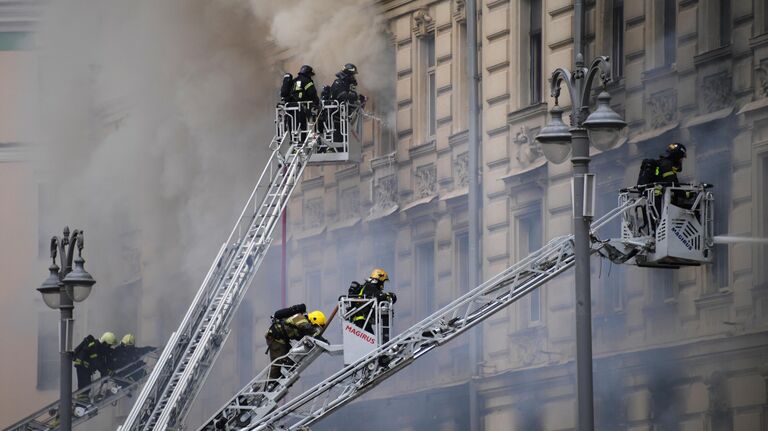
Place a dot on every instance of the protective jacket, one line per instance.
(124, 355)
(667, 169)
(372, 288)
(303, 90)
(292, 328)
(93, 354)
(344, 88)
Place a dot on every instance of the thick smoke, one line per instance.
(155, 120)
(329, 33)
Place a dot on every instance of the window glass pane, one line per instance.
(432, 105)
(535, 24)
(670, 32)
(462, 258)
(535, 77)
(429, 44)
(725, 22)
(617, 59)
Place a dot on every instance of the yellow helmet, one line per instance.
(317, 318)
(108, 338)
(379, 274)
(128, 340)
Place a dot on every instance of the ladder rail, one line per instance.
(181, 338)
(234, 293)
(160, 369)
(412, 344)
(460, 315)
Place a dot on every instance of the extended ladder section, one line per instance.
(261, 395)
(87, 402)
(452, 320)
(194, 346)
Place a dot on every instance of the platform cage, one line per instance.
(338, 124)
(366, 325)
(674, 223)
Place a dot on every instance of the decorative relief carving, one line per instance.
(422, 23)
(349, 203)
(528, 150)
(426, 181)
(314, 213)
(384, 194)
(460, 10)
(461, 170)
(717, 92)
(530, 350)
(662, 109)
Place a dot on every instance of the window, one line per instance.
(725, 22)
(462, 263)
(425, 276)
(461, 106)
(764, 258)
(765, 16)
(534, 46)
(529, 237)
(617, 51)
(47, 350)
(431, 99)
(670, 31)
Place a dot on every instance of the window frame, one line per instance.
(535, 51)
(426, 294)
(429, 60)
(531, 211)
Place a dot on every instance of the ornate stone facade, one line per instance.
(425, 181)
(662, 108)
(717, 92)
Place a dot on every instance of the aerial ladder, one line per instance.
(100, 394)
(647, 239)
(303, 135)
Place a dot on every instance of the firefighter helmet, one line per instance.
(317, 318)
(306, 70)
(379, 274)
(128, 340)
(676, 151)
(108, 338)
(350, 69)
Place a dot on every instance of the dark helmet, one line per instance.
(306, 70)
(676, 151)
(350, 69)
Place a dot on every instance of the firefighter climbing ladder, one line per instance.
(193, 347)
(452, 320)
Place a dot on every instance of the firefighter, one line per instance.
(292, 323)
(344, 87)
(127, 358)
(344, 90)
(303, 95)
(670, 164)
(92, 355)
(372, 288)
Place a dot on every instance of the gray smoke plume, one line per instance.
(152, 127)
(155, 120)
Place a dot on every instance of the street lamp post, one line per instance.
(60, 290)
(602, 128)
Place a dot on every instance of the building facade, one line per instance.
(674, 349)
